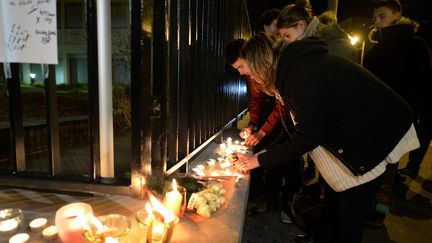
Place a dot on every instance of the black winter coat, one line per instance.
(401, 60)
(337, 104)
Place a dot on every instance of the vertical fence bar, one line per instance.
(93, 89)
(160, 86)
(52, 117)
(173, 104)
(184, 81)
(16, 118)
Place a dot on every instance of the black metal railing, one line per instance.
(181, 92)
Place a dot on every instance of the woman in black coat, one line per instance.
(342, 111)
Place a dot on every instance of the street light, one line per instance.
(32, 78)
(354, 39)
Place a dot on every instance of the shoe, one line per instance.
(256, 207)
(427, 185)
(375, 222)
(398, 177)
(408, 172)
(303, 238)
(312, 191)
(285, 218)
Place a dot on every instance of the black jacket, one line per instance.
(401, 60)
(337, 104)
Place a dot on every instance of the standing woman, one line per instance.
(349, 121)
(296, 22)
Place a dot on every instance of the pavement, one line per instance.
(409, 219)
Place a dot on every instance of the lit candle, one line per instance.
(158, 231)
(8, 226)
(173, 199)
(110, 240)
(38, 224)
(223, 146)
(49, 232)
(68, 221)
(19, 238)
(150, 216)
(138, 183)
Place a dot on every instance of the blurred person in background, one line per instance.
(268, 20)
(401, 59)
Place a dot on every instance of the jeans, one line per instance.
(344, 212)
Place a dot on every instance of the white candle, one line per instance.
(110, 240)
(49, 232)
(173, 199)
(9, 226)
(68, 223)
(19, 238)
(37, 224)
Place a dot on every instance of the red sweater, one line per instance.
(256, 101)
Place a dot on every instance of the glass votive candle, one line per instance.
(115, 229)
(11, 220)
(154, 227)
(68, 220)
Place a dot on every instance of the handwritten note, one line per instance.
(28, 31)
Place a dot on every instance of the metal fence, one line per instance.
(181, 91)
(184, 85)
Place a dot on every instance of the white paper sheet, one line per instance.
(28, 31)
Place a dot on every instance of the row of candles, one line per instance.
(12, 220)
(75, 222)
(222, 166)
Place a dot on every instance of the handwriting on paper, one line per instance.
(29, 30)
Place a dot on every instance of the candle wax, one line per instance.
(173, 201)
(38, 224)
(19, 238)
(50, 232)
(8, 225)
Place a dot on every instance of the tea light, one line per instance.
(19, 238)
(10, 220)
(49, 232)
(158, 231)
(110, 240)
(9, 226)
(222, 146)
(37, 224)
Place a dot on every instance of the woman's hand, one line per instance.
(246, 162)
(245, 132)
(254, 139)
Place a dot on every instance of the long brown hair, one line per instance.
(261, 53)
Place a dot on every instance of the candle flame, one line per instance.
(174, 185)
(168, 216)
(148, 208)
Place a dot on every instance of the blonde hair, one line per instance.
(261, 53)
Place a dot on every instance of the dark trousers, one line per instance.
(344, 212)
(424, 134)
